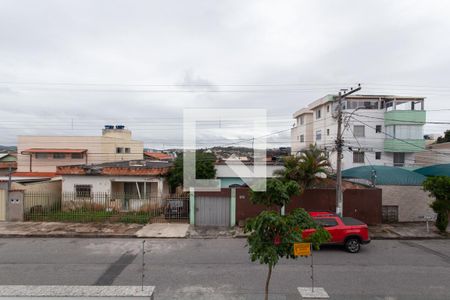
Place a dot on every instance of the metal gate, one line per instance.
(212, 211)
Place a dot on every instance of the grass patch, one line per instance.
(84, 216)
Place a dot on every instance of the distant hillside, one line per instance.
(8, 148)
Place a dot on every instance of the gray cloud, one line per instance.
(140, 63)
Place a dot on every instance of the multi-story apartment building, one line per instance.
(378, 129)
(45, 153)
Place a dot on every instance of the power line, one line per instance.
(396, 120)
(406, 142)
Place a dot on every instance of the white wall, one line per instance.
(102, 184)
(412, 201)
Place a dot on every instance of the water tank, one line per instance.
(120, 127)
(109, 126)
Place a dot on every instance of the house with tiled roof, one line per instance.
(129, 184)
(45, 153)
(158, 155)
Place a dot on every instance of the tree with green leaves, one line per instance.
(445, 138)
(306, 167)
(439, 188)
(271, 235)
(204, 169)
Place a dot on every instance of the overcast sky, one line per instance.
(69, 67)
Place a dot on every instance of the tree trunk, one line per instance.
(267, 282)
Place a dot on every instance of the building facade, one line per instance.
(46, 153)
(378, 129)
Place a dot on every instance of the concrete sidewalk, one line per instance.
(406, 231)
(397, 231)
(163, 230)
(59, 229)
(89, 230)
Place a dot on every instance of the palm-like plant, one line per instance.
(314, 164)
(305, 168)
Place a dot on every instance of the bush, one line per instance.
(442, 221)
(439, 188)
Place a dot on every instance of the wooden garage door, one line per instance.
(212, 211)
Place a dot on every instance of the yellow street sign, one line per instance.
(302, 249)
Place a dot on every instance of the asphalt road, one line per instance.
(221, 269)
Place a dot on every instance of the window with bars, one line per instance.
(358, 157)
(377, 155)
(302, 138)
(399, 159)
(83, 190)
(378, 129)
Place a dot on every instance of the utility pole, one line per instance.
(339, 144)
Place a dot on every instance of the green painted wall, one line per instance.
(395, 117)
(191, 206)
(393, 145)
(233, 207)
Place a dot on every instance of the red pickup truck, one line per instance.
(344, 231)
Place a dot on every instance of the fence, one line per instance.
(105, 207)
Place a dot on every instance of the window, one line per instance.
(378, 129)
(328, 131)
(358, 130)
(41, 155)
(367, 104)
(328, 108)
(358, 157)
(318, 135)
(318, 114)
(406, 132)
(377, 155)
(302, 138)
(83, 190)
(127, 150)
(300, 119)
(77, 155)
(59, 155)
(399, 159)
(326, 222)
(119, 150)
(389, 213)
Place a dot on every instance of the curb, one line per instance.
(410, 238)
(70, 235)
(133, 236)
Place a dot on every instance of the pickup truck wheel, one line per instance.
(352, 245)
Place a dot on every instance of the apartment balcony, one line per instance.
(404, 117)
(404, 145)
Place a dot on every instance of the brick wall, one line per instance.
(363, 204)
(412, 201)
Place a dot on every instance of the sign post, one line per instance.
(305, 250)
